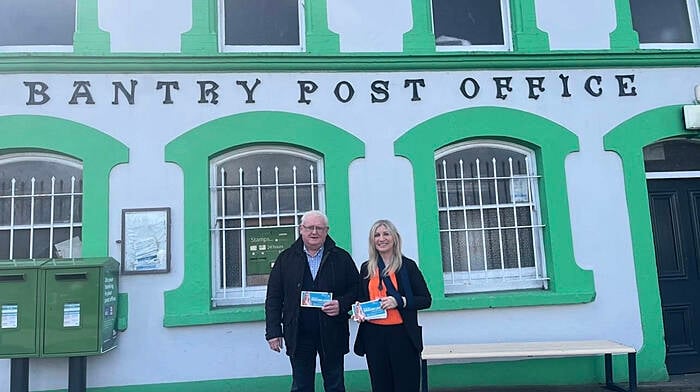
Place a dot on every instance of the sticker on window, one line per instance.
(8, 316)
(71, 315)
(521, 192)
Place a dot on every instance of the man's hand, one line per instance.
(276, 344)
(331, 308)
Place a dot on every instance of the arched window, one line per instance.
(41, 199)
(490, 227)
(258, 195)
(675, 157)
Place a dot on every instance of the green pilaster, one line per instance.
(202, 37)
(420, 39)
(319, 38)
(88, 38)
(624, 37)
(527, 37)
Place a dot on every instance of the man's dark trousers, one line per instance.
(304, 366)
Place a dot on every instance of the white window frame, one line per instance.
(46, 157)
(248, 295)
(507, 34)
(262, 48)
(694, 15)
(459, 282)
(43, 48)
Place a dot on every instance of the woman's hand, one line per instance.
(388, 303)
(357, 313)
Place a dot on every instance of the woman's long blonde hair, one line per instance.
(391, 266)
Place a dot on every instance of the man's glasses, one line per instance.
(318, 229)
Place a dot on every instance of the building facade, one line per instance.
(533, 154)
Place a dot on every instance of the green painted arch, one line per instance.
(190, 304)
(627, 140)
(551, 143)
(98, 152)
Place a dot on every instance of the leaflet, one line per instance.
(372, 310)
(315, 299)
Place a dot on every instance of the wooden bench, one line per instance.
(529, 350)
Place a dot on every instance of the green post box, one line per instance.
(20, 308)
(80, 306)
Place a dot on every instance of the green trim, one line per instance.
(567, 371)
(319, 38)
(356, 380)
(527, 37)
(202, 39)
(89, 38)
(190, 304)
(627, 140)
(551, 143)
(421, 38)
(123, 312)
(350, 62)
(98, 152)
(624, 37)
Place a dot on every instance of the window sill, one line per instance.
(511, 299)
(234, 314)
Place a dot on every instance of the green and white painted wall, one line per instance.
(146, 97)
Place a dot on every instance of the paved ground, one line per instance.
(683, 383)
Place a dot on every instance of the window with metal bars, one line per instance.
(41, 202)
(490, 230)
(258, 194)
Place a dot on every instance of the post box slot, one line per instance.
(12, 278)
(76, 276)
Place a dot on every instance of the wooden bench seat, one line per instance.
(524, 350)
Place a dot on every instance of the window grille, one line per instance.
(40, 207)
(257, 189)
(490, 230)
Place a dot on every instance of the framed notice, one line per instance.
(263, 245)
(145, 240)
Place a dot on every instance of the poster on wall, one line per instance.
(263, 245)
(145, 240)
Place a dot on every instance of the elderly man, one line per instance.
(316, 266)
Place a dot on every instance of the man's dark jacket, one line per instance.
(336, 274)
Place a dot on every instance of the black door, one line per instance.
(675, 217)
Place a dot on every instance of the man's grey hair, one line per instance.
(317, 213)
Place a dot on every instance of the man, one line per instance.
(313, 263)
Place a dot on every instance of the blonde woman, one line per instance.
(392, 345)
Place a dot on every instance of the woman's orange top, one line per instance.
(393, 316)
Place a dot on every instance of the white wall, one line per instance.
(577, 25)
(381, 186)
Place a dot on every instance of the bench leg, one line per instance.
(424, 375)
(632, 369)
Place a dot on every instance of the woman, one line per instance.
(392, 344)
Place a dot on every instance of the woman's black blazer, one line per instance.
(421, 300)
